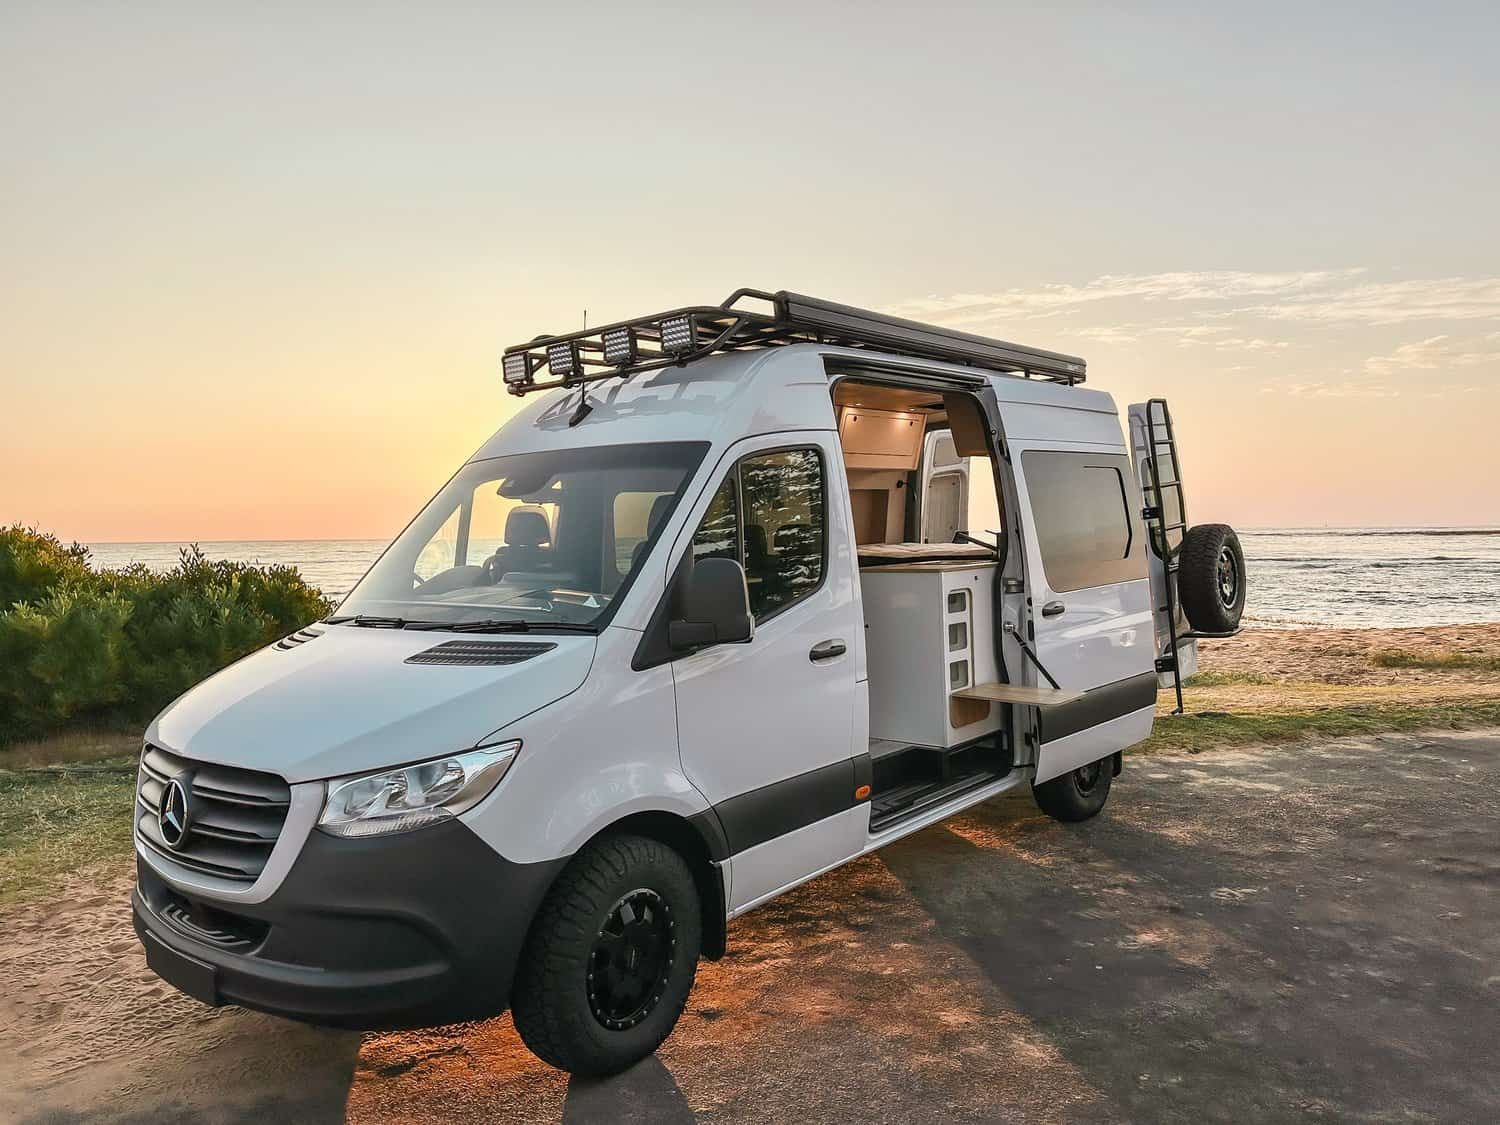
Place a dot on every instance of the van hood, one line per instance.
(347, 701)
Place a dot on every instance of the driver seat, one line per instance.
(527, 537)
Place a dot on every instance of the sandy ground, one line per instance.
(1345, 657)
(1304, 932)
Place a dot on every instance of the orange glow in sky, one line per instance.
(260, 268)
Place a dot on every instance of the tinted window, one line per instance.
(780, 541)
(1083, 525)
(718, 536)
(783, 503)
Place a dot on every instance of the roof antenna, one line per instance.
(584, 407)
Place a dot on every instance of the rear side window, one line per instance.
(1083, 526)
(769, 516)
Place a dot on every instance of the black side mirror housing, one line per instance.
(713, 606)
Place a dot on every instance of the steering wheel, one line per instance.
(491, 569)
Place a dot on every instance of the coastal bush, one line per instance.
(33, 564)
(115, 646)
(61, 656)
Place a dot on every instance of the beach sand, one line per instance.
(1347, 657)
(1295, 670)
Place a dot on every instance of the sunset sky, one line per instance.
(259, 262)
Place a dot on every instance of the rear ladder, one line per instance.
(1161, 449)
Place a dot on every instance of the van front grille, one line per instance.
(233, 816)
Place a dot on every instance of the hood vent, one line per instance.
(475, 653)
(300, 637)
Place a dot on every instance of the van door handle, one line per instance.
(827, 650)
(1053, 609)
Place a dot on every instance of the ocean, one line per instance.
(1298, 577)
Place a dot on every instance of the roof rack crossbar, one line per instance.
(627, 347)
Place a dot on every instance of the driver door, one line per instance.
(767, 729)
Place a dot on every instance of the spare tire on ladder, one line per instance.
(1211, 578)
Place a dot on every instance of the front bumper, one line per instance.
(410, 930)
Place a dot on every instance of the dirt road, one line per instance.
(1306, 932)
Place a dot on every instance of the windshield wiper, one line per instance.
(369, 622)
(492, 625)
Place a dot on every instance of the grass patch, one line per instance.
(1224, 679)
(1435, 661)
(59, 821)
(1207, 730)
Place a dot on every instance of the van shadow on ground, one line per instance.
(1313, 931)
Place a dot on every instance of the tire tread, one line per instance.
(1197, 581)
(563, 930)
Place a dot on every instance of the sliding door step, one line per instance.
(888, 809)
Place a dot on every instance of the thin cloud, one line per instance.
(1391, 302)
(1317, 297)
(1346, 388)
(1183, 285)
(1438, 353)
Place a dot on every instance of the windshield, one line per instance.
(530, 540)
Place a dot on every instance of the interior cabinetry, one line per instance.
(929, 632)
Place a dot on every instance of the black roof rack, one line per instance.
(680, 336)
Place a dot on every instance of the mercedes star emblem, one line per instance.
(172, 813)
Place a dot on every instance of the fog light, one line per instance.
(563, 360)
(517, 368)
(619, 346)
(678, 335)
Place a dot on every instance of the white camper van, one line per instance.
(743, 592)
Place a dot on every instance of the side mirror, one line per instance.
(713, 606)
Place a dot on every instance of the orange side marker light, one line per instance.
(862, 793)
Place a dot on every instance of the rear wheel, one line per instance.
(611, 958)
(1077, 794)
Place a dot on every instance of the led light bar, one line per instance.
(619, 346)
(517, 369)
(678, 335)
(563, 360)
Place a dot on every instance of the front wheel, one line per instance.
(1077, 794)
(611, 958)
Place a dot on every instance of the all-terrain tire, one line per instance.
(1077, 794)
(555, 1001)
(1211, 578)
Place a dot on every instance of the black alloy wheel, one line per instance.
(631, 959)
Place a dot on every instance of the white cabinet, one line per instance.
(929, 631)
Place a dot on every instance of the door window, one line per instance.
(718, 536)
(781, 539)
(1083, 525)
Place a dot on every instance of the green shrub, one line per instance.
(32, 565)
(116, 646)
(61, 656)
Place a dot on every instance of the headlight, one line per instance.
(398, 800)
